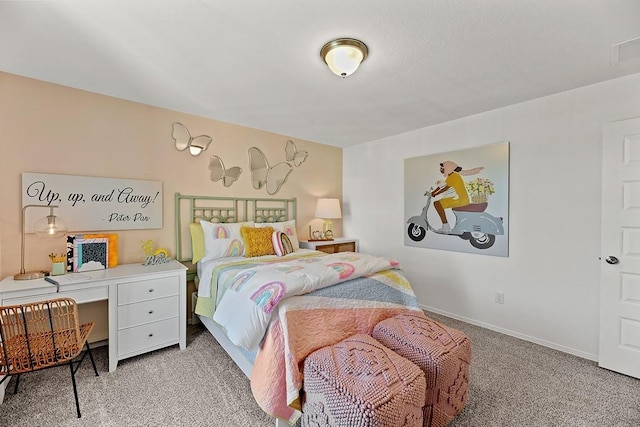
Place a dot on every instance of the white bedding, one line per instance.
(253, 291)
(205, 271)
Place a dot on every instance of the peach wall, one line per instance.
(49, 128)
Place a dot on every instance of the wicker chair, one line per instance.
(43, 335)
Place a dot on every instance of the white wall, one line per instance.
(551, 277)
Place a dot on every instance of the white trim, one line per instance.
(511, 333)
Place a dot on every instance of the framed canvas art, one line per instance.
(459, 200)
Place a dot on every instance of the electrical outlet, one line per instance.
(499, 297)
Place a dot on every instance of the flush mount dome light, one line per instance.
(343, 56)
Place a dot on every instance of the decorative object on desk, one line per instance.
(112, 259)
(58, 263)
(184, 140)
(218, 172)
(328, 209)
(154, 256)
(147, 247)
(67, 279)
(160, 257)
(51, 226)
(90, 254)
(70, 239)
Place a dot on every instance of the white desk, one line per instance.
(147, 304)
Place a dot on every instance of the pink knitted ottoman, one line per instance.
(443, 353)
(360, 382)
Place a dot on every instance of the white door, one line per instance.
(620, 256)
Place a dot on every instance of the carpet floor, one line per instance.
(513, 383)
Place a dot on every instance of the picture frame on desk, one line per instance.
(90, 254)
(112, 248)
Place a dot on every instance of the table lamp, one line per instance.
(50, 226)
(328, 209)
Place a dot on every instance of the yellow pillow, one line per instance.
(257, 241)
(197, 242)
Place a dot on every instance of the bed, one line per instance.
(268, 311)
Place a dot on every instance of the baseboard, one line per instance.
(564, 349)
(99, 343)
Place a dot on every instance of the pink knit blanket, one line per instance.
(323, 317)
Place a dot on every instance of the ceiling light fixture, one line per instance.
(344, 56)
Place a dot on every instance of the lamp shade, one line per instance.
(328, 208)
(50, 226)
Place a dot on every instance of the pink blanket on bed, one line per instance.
(325, 317)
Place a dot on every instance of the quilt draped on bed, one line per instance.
(317, 301)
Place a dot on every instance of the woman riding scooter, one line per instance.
(453, 180)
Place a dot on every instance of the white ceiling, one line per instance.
(256, 63)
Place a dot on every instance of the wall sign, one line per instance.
(89, 203)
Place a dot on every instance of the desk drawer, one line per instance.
(144, 290)
(80, 296)
(147, 311)
(152, 334)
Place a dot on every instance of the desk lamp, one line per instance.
(50, 226)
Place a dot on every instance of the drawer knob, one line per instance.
(151, 290)
(150, 311)
(150, 335)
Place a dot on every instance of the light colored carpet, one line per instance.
(513, 383)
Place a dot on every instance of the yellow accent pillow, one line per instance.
(197, 242)
(257, 241)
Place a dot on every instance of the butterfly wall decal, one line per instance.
(263, 175)
(183, 140)
(293, 155)
(218, 171)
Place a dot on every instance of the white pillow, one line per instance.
(287, 227)
(223, 239)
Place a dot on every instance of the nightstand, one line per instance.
(338, 244)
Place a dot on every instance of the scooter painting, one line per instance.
(472, 223)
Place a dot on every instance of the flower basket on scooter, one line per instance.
(479, 190)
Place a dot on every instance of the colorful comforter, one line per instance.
(248, 305)
(303, 312)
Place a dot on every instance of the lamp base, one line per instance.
(30, 275)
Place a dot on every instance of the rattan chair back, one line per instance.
(41, 335)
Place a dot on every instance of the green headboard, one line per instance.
(225, 209)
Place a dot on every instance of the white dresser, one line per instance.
(147, 304)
